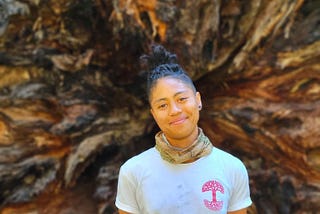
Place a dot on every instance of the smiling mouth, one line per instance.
(178, 122)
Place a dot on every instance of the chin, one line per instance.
(179, 134)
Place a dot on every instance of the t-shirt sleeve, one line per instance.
(126, 192)
(240, 196)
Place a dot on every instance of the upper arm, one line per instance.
(240, 196)
(126, 191)
(242, 211)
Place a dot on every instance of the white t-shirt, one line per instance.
(216, 183)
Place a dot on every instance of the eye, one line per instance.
(182, 99)
(162, 106)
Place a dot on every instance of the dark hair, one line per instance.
(161, 63)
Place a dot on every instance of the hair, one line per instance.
(161, 63)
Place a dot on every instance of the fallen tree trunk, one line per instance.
(72, 105)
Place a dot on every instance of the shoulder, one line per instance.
(219, 153)
(227, 160)
(140, 160)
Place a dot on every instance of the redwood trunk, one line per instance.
(73, 107)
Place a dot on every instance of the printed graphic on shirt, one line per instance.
(213, 186)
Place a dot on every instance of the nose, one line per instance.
(174, 109)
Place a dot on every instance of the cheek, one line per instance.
(158, 117)
(192, 108)
(194, 111)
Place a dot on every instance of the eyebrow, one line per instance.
(176, 94)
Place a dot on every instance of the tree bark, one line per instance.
(73, 106)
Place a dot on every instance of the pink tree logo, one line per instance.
(214, 187)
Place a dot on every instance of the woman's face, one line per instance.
(175, 108)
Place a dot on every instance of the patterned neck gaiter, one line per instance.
(201, 147)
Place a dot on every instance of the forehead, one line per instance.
(168, 86)
(171, 82)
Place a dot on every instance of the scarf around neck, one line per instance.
(199, 148)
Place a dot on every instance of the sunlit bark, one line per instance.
(72, 105)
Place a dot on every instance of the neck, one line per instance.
(176, 154)
(184, 142)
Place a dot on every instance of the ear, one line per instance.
(152, 113)
(198, 98)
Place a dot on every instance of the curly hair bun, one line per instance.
(161, 63)
(159, 56)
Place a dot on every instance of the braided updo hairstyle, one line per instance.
(161, 63)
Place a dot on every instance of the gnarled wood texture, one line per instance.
(72, 105)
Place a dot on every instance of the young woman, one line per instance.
(184, 173)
